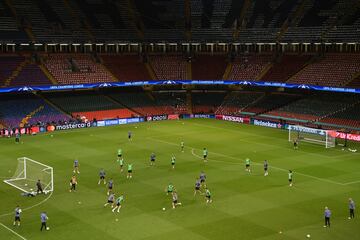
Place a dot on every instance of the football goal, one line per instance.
(28, 172)
(312, 135)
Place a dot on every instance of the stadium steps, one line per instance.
(26, 119)
(253, 103)
(114, 78)
(311, 60)
(150, 71)
(338, 111)
(217, 111)
(244, 9)
(77, 19)
(121, 104)
(187, 19)
(228, 70)
(16, 72)
(52, 104)
(48, 74)
(290, 19)
(354, 78)
(265, 71)
(136, 18)
(189, 105)
(189, 71)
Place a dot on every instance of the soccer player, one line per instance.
(208, 196)
(203, 179)
(121, 163)
(39, 187)
(351, 208)
(43, 218)
(17, 138)
(295, 144)
(266, 165)
(102, 175)
(327, 214)
(197, 186)
(129, 135)
(182, 145)
(17, 215)
(175, 200)
(247, 165)
(110, 200)
(73, 183)
(290, 175)
(173, 159)
(205, 154)
(119, 153)
(152, 159)
(170, 188)
(110, 186)
(76, 166)
(130, 168)
(118, 201)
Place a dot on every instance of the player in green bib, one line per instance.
(118, 202)
(208, 196)
(247, 165)
(290, 175)
(170, 188)
(205, 154)
(173, 159)
(182, 145)
(130, 168)
(121, 163)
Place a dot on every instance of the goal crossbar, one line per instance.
(28, 172)
(312, 135)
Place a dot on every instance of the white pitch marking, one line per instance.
(15, 233)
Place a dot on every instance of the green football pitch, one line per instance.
(245, 206)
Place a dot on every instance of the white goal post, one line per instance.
(312, 135)
(28, 172)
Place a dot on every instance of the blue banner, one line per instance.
(179, 82)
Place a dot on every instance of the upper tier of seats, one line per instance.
(207, 67)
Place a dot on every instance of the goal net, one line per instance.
(312, 135)
(28, 172)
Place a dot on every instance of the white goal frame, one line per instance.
(23, 175)
(328, 142)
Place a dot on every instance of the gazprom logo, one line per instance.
(24, 89)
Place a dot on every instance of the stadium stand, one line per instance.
(76, 68)
(31, 74)
(284, 67)
(331, 70)
(321, 105)
(270, 102)
(168, 67)
(235, 101)
(8, 65)
(207, 67)
(126, 68)
(20, 109)
(207, 101)
(249, 67)
(347, 117)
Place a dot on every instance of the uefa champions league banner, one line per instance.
(176, 82)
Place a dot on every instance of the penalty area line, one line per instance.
(12, 231)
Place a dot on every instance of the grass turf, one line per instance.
(245, 206)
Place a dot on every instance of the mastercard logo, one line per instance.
(50, 128)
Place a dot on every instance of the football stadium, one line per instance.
(179, 119)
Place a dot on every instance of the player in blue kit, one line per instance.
(17, 216)
(102, 175)
(76, 166)
(203, 179)
(110, 186)
(110, 200)
(197, 186)
(152, 159)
